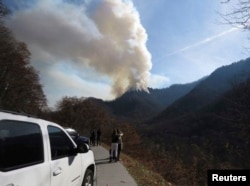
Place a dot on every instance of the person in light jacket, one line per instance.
(120, 143)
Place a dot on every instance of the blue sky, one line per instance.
(187, 39)
(81, 49)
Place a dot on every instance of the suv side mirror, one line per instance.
(82, 147)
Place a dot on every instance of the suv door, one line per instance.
(65, 165)
(22, 160)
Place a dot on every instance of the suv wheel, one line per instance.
(88, 179)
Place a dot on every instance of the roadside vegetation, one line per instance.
(142, 174)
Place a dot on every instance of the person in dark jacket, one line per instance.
(99, 133)
(93, 138)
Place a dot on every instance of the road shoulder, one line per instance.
(110, 174)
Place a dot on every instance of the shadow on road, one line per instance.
(102, 161)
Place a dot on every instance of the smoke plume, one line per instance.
(105, 36)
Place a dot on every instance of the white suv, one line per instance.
(35, 152)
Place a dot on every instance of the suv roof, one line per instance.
(18, 113)
(24, 117)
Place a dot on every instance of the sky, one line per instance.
(103, 48)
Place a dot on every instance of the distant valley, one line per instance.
(209, 117)
(201, 125)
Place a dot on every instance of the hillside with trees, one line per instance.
(213, 136)
(209, 90)
(138, 106)
(20, 88)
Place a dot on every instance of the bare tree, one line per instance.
(239, 16)
(20, 89)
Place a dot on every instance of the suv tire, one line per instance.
(88, 179)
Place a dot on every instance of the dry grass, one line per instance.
(142, 175)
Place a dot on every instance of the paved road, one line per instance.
(110, 174)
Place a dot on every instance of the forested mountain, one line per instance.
(209, 90)
(214, 137)
(206, 128)
(137, 106)
(206, 131)
(204, 107)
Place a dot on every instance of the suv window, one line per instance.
(60, 144)
(21, 144)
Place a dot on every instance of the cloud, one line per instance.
(106, 36)
(158, 81)
(68, 84)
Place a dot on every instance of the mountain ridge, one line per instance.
(140, 106)
(210, 89)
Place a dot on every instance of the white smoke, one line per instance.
(106, 36)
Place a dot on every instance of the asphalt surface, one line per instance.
(110, 174)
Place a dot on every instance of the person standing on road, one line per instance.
(93, 137)
(120, 144)
(114, 146)
(99, 133)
